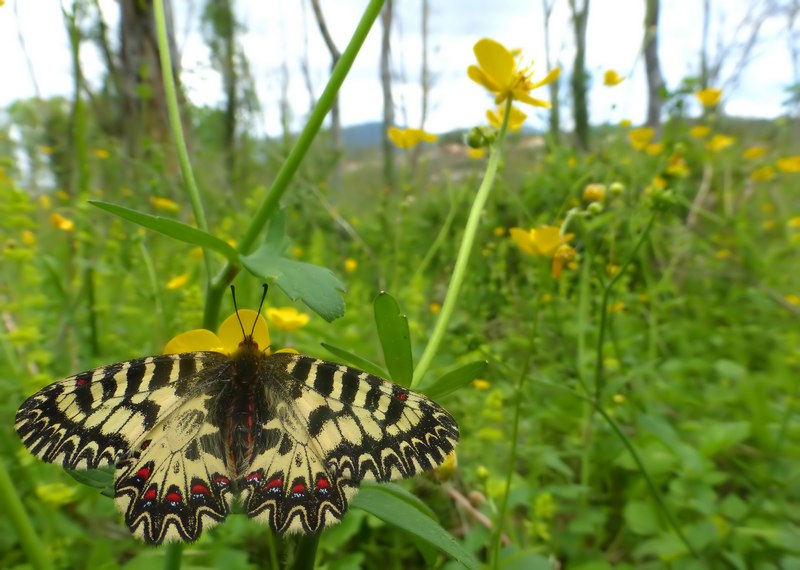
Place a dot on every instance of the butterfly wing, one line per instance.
(91, 419)
(329, 428)
(175, 483)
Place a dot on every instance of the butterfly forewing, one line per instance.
(293, 435)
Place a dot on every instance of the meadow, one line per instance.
(615, 331)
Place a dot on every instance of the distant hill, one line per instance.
(365, 135)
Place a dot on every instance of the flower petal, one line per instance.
(523, 240)
(478, 76)
(230, 332)
(495, 60)
(194, 340)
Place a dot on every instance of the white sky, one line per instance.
(274, 31)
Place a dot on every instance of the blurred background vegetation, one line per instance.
(673, 331)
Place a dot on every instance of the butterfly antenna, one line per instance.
(261, 304)
(236, 308)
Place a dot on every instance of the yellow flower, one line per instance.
(178, 282)
(563, 256)
(763, 174)
(611, 78)
(709, 97)
(594, 192)
(790, 164)
(476, 153)
(101, 153)
(515, 120)
(723, 254)
(350, 264)
(499, 72)
(445, 470)
(699, 131)
(618, 398)
(29, 238)
(287, 319)
(481, 384)
(654, 149)
(754, 152)
(409, 138)
(63, 196)
(62, 223)
(792, 300)
(612, 269)
(44, 201)
(641, 137)
(719, 142)
(227, 340)
(792, 223)
(164, 204)
(435, 308)
(677, 166)
(55, 494)
(542, 241)
(297, 251)
(47, 149)
(625, 123)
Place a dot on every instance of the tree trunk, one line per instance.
(655, 81)
(555, 111)
(425, 85)
(580, 97)
(388, 101)
(144, 104)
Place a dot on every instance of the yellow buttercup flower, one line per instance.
(677, 166)
(287, 319)
(794, 222)
(709, 97)
(594, 192)
(563, 256)
(46, 149)
(792, 299)
(178, 282)
(350, 264)
(227, 339)
(481, 384)
(699, 131)
(719, 142)
(625, 123)
(409, 138)
(164, 204)
(476, 153)
(499, 71)
(790, 164)
(44, 201)
(754, 152)
(654, 149)
(435, 308)
(641, 137)
(541, 242)
(611, 78)
(101, 153)
(763, 174)
(515, 119)
(62, 223)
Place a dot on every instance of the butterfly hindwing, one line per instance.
(175, 483)
(335, 426)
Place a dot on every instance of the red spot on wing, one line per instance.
(299, 488)
(144, 472)
(198, 489)
(323, 483)
(173, 497)
(402, 396)
(81, 382)
(252, 477)
(221, 481)
(150, 495)
(274, 483)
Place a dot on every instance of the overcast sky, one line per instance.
(274, 31)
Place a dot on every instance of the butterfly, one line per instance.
(288, 435)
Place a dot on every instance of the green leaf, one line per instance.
(454, 379)
(172, 228)
(316, 286)
(395, 338)
(102, 479)
(355, 360)
(398, 510)
(642, 518)
(717, 437)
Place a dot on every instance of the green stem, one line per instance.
(501, 515)
(279, 186)
(306, 552)
(14, 509)
(464, 251)
(172, 555)
(171, 97)
(437, 243)
(599, 379)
